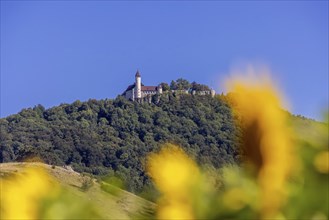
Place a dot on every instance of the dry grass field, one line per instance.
(121, 205)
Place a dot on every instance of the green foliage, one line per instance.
(182, 84)
(105, 136)
(199, 87)
(165, 86)
(173, 85)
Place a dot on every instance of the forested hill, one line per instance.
(114, 136)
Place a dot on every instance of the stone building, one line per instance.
(138, 92)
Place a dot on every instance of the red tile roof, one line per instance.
(149, 88)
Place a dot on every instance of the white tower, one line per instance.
(138, 85)
(213, 93)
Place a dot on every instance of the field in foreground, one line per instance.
(119, 205)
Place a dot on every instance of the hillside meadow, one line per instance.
(80, 196)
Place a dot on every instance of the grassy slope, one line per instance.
(308, 130)
(123, 205)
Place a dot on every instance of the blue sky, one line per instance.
(56, 52)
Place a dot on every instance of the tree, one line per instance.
(173, 85)
(182, 84)
(165, 86)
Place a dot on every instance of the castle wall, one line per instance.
(145, 93)
(130, 94)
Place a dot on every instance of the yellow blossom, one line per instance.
(174, 174)
(266, 139)
(22, 193)
(175, 210)
(172, 170)
(321, 162)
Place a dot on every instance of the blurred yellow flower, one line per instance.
(173, 209)
(174, 174)
(21, 194)
(321, 162)
(266, 139)
(172, 170)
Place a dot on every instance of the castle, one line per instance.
(138, 92)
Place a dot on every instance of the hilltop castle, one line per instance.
(138, 92)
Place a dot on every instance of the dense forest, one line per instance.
(114, 136)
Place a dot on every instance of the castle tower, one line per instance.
(213, 93)
(138, 83)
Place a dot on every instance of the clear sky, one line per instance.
(55, 52)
